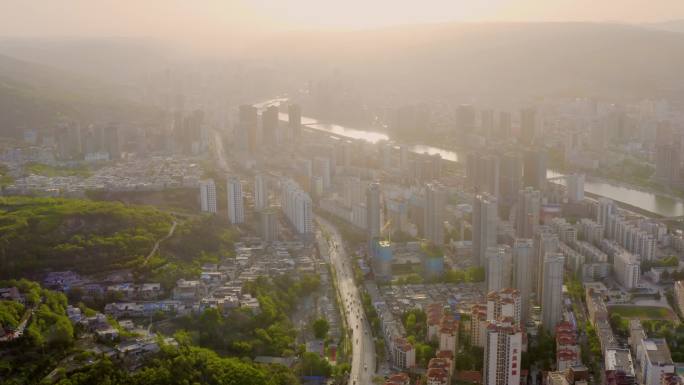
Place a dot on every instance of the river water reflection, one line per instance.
(656, 203)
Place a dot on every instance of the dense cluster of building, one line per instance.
(418, 213)
(296, 205)
(515, 216)
(150, 174)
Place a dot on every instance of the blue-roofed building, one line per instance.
(382, 260)
(433, 267)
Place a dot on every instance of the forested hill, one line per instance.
(88, 236)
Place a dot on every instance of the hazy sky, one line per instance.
(192, 19)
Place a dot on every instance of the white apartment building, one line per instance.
(504, 304)
(654, 360)
(552, 294)
(208, 196)
(494, 271)
(260, 192)
(626, 268)
(679, 294)
(403, 354)
(297, 207)
(236, 201)
(502, 354)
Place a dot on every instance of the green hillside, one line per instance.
(88, 236)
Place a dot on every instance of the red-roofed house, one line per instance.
(472, 376)
(567, 349)
(398, 379)
(478, 324)
(437, 376)
(447, 355)
(404, 354)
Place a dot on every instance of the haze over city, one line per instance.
(360, 192)
(158, 18)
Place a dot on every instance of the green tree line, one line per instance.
(50, 233)
(242, 333)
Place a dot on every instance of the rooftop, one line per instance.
(619, 360)
(657, 351)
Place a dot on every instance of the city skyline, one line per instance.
(342, 193)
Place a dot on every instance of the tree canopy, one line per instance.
(320, 328)
(184, 365)
(39, 233)
(242, 333)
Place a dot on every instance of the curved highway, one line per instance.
(363, 347)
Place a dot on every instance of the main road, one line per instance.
(363, 346)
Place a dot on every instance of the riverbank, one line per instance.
(632, 186)
(628, 207)
(654, 202)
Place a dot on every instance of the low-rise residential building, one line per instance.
(505, 303)
(437, 376)
(251, 303)
(557, 378)
(131, 291)
(478, 325)
(154, 173)
(441, 363)
(448, 356)
(145, 309)
(636, 335)
(61, 280)
(596, 307)
(567, 349)
(442, 325)
(403, 354)
(619, 369)
(448, 336)
(223, 304)
(99, 325)
(654, 360)
(434, 312)
(75, 315)
(133, 353)
(400, 378)
(671, 379)
(188, 290)
(565, 358)
(11, 294)
(606, 337)
(212, 277)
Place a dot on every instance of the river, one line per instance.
(646, 200)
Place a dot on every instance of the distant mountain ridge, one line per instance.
(458, 61)
(488, 58)
(36, 96)
(108, 59)
(670, 25)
